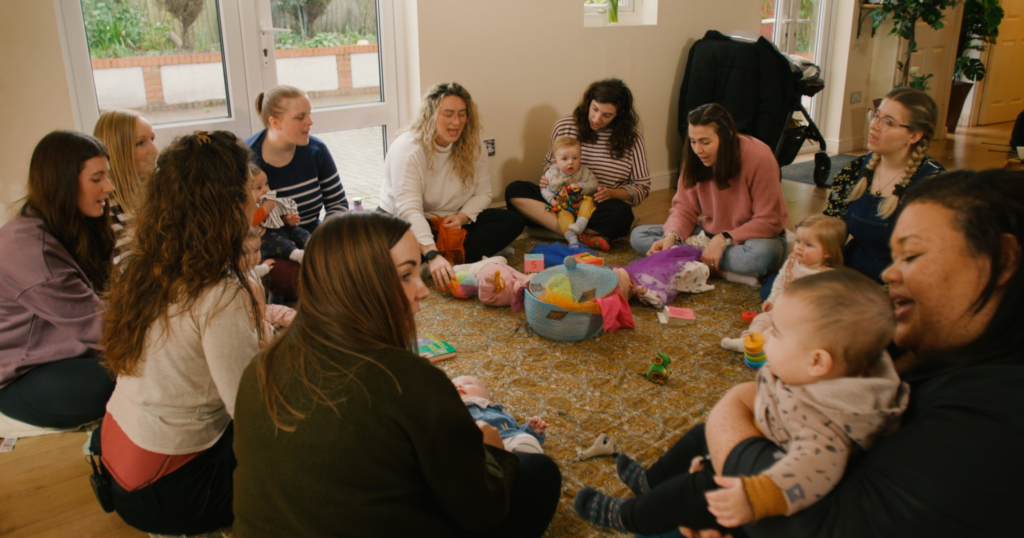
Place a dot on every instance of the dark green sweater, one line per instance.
(400, 456)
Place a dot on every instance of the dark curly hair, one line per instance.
(189, 236)
(626, 124)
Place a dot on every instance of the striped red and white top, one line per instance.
(630, 172)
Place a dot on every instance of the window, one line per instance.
(598, 13)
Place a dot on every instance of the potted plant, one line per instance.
(905, 14)
(980, 26)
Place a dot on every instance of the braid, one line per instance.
(862, 186)
(890, 203)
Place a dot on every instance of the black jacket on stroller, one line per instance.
(752, 80)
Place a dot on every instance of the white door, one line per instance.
(936, 53)
(1002, 97)
(135, 54)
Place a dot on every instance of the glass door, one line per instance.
(797, 28)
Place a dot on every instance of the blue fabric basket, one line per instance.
(588, 282)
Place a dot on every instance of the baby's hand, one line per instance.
(766, 307)
(697, 464)
(269, 205)
(269, 263)
(730, 504)
(575, 186)
(291, 220)
(538, 425)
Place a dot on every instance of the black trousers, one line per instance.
(493, 230)
(534, 497)
(612, 218)
(676, 497)
(60, 394)
(280, 242)
(191, 500)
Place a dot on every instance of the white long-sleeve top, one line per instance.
(184, 396)
(416, 192)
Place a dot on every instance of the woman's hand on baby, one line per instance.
(602, 194)
(442, 272)
(664, 243)
(538, 425)
(544, 182)
(457, 220)
(291, 220)
(491, 435)
(730, 504)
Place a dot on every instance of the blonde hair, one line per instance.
(466, 149)
(923, 115)
(270, 104)
(831, 232)
(564, 142)
(117, 130)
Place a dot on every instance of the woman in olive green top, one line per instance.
(341, 430)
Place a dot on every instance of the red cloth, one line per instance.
(449, 241)
(616, 313)
(753, 206)
(134, 467)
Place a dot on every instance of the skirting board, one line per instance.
(659, 182)
(844, 146)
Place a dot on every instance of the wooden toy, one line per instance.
(533, 263)
(657, 372)
(676, 316)
(586, 257)
(753, 351)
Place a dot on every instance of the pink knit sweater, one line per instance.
(751, 208)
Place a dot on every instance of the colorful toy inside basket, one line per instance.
(561, 301)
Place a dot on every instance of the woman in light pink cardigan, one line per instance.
(730, 189)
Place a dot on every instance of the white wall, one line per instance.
(34, 94)
(527, 62)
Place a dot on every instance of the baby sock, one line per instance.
(603, 446)
(580, 225)
(571, 237)
(632, 474)
(296, 255)
(599, 509)
(733, 344)
(741, 279)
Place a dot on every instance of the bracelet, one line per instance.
(678, 240)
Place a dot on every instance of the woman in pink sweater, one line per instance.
(730, 189)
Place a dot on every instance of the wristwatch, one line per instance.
(431, 254)
(728, 239)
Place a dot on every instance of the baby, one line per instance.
(275, 316)
(828, 391)
(818, 247)
(526, 438)
(655, 279)
(569, 192)
(279, 216)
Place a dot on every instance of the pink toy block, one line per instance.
(533, 263)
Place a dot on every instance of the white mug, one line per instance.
(1020, 152)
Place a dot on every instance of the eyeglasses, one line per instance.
(886, 122)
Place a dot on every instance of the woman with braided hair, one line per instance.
(867, 192)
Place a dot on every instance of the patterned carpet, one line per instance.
(585, 388)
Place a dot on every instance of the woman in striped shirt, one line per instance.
(607, 127)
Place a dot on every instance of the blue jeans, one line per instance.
(755, 257)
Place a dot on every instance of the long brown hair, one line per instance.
(924, 113)
(466, 149)
(350, 302)
(116, 128)
(727, 163)
(626, 124)
(189, 237)
(53, 197)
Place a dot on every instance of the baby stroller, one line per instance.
(762, 89)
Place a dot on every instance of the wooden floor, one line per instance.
(44, 485)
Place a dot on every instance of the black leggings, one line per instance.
(533, 499)
(194, 499)
(60, 394)
(493, 230)
(676, 497)
(612, 218)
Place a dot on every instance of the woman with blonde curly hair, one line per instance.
(132, 145)
(438, 169)
(178, 334)
(867, 192)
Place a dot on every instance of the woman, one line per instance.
(867, 191)
(181, 326)
(298, 166)
(957, 284)
(438, 169)
(342, 430)
(56, 259)
(132, 145)
(729, 188)
(608, 128)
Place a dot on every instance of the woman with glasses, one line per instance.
(867, 192)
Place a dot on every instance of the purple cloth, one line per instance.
(48, 309)
(657, 272)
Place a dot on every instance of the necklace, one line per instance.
(882, 188)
